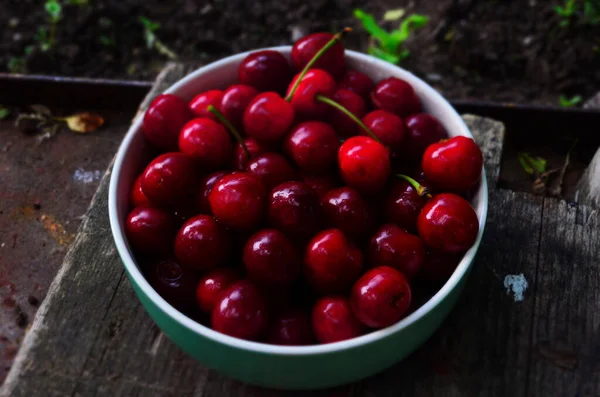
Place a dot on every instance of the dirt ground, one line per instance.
(510, 51)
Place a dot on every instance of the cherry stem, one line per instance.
(230, 127)
(337, 37)
(348, 113)
(421, 190)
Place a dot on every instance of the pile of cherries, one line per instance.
(301, 209)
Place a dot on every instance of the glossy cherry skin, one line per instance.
(199, 104)
(453, 165)
(202, 243)
(403, 204)
(271, 259)
(396, 96)
(353, 102)
(315, 82)
(448, 223)
(174, 283)
(422, 130)
(357, 82)
(268, 117)
(212, 284)
(313, 146)
(273, 169)
(334, 321)
(364, 164)
(240, 159)
(307, 47)
(137, 198)
(207, 142)
(294, 209)
(266, 71)
(206, 185)
(150, 230)
(321, 184)
(394, 247)
(240, 311)
(169, 178)
(234, 102)
(292, 327)
(331, 262)
(163, 120)
(345, 209)
(380, 297)
(238, 200)
(388, 127)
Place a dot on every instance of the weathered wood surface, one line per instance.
(91, 337)
(588, 188)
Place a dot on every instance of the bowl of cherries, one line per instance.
(298, 217)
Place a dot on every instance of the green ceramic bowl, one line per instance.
(297, 367)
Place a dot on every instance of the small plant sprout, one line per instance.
(389, 45)
(587, 12)
(565, 12)
(47, 37)
(569, 102)
(4, 112)
(152, 41)
(532, 165)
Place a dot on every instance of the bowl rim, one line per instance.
(264, 348)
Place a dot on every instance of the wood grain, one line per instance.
(92, 338)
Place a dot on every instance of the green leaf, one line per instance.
(371, 26)
(4, 112)
(569, 102)
(148, 24)
(394, 15)
(54, 9)
(531, 164)
(382, 54)
(410, 24)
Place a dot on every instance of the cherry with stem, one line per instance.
(221, 117)
(421, 190)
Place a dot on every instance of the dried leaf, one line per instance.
(41, 109)
(84, 122)
(394, 15)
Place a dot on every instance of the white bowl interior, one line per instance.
(133, 154)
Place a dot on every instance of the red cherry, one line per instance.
(150, 230)
(137, 198)
(237, 200)
(240, 311)
(307, 47)
(202, 243)
(163, 120)
(380, 297)
(396, 96)
(273, 168)
(169, 178)
(313, 146)
(364, 164)
(268, 117)
(206, 186)
(266, 71)
(403, 205)
(334, 321)
(314, 83)
(343, 124)
(388, 127)
(320, 184)
(271, 258)
(207, 142)
(346, 210)
(394, 247)
(438, 266)
(240, 159)
(291, 328)
(294, 209)
(331, 262)
(453, 165)
(212, 284)
(448, 223)
(174, 283)
(422, 130)
(235, 100)
(357, 82)
(199, 104)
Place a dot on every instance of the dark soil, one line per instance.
(510, 51)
